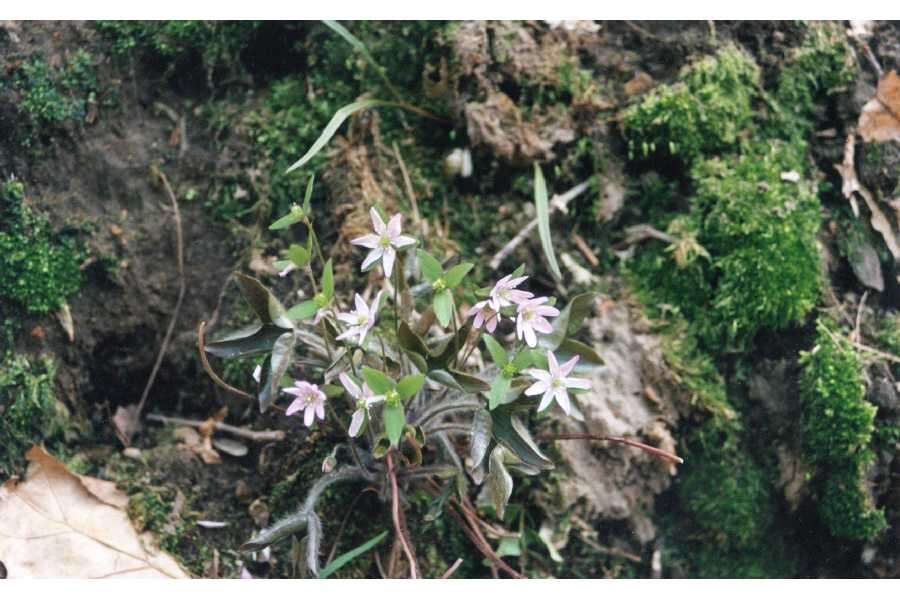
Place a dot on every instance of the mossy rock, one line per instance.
(38, 269)
(846, 507)
(704, 112)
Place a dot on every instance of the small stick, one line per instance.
(410, 192)
(585, 250)
(395, 511)
(452, 569)
(619, 440)
(255, 436)
(179, 246)
(859, 309)
(201, 335)
(556, 203)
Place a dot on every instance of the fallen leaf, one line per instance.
(64, 315)
(57, 524)
(849, 181)
(879, 120)
(866, 266)
(212, 524)
(639, 84)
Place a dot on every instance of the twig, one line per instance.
(859, 309)
(452, 569)
(255, 436)
(179, 248)
(619, 440)
(585, 250)
(410, 192)
(395, 511)
(556, 203)
(639, 233)
(471, 517)
(201, 335)
(859, 346)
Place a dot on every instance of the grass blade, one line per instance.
(336, 121)
(361, 48)
(542, 204)
(332, 567)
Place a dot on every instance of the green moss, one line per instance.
(29, 411)
(50, 98)
(837, 422)
(846, 507)
(823, 64)
(38, 269)
(837, 426)
(759, 231)
(706, 111)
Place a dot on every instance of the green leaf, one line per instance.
(394, 421)
(328, 280)
(443, 307)
(499, 482)
(263, 302)
(468, 382)
(568, 321)
(282, 355)
(510, 432)
(499, 389)
(523, 360)
(298, 255)
(247, 341)
(570, 348)
(335, 565)
(307, 197)
(455, 275)
(303, 311)
(431, 267)
(292, 218)
(436, 508)
(336, 121)
(417, 359)
(378, 381)
(410, 385)
(542, 204)
(481, 436)
(498, 353)
(518, 272)
(409, 340)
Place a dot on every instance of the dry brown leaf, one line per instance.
(127, 422)
(850, 183)
(57, 524)
(880, 117)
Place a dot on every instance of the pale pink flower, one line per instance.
(554, 383)
(383, 242)
(505, 294)
(365, 399)
(531, 318)
(361, 320)
(287, 269)
(310, 399)
(484, 315)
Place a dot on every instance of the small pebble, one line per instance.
(134, 453)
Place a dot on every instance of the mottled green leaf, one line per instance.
(509, 431)
(499, 482)
(255, 339)
(570, 348)
(263, 302)
(282, 355)
(481, 436)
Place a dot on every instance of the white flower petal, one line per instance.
(370, 240)
(537, 388)
(309, 415)
(393, 226)
(540, 374)
(541, 325)
(387, 260)
(546, 400)
(377, 222)
(554, 365)
(361, 307)
(350, 386)
(295, 406)
(530, 338)
(577, 383)
(562, 397)
(356, 422)
(372, 258)
(567, 366)
(401, 241)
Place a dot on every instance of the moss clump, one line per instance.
(761, 268)
(50, 98)
(821, 65)
(38, 270)
(704, 112)
(837, 425)
(29, 411)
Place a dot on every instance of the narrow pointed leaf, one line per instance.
(410, 341)
(307, 197)
(336, 121)
(498, 353)
(298, 255)
(256, 339)
(570, 348)
(499, 482)
(303, 311)
(336, 565)
(481, 436)
(410, 385)
(509, 431)
(282, 355)
(443, 307)
(292, 218)
(523, 360)
(431, 267)
(569, 320)
(499, 390)
(455, 275)
(378, 381)
(542, 205)
(263, 302)
(328, 280)
(394, 421)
